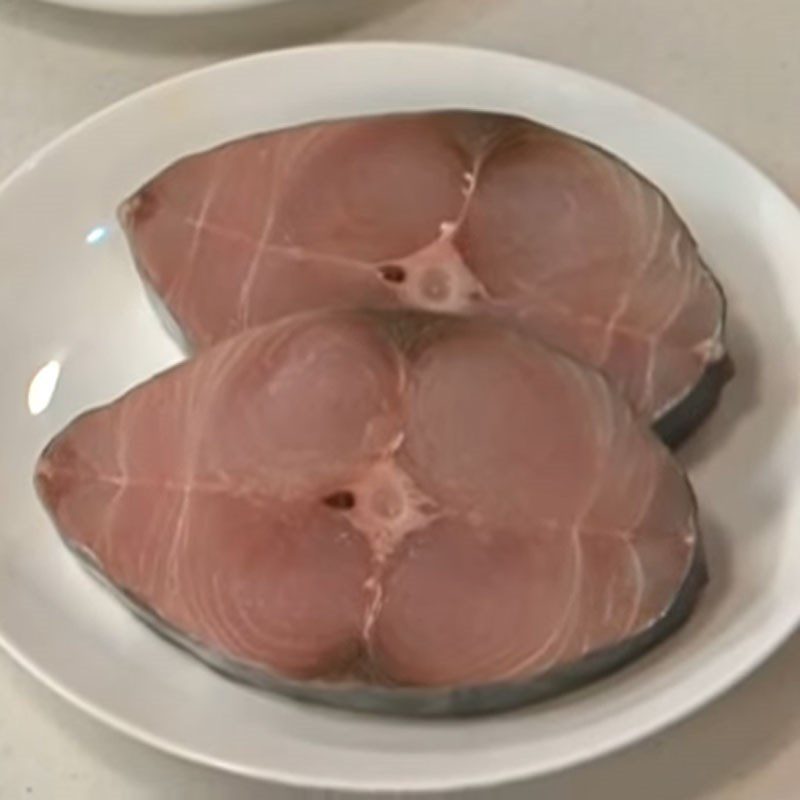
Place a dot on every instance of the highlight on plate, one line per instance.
(415, 462)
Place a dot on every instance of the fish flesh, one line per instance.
(407, 512)
(458, 212)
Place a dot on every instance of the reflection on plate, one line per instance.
(77, 329)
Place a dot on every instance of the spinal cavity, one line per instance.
(387, 506)
(435, 277)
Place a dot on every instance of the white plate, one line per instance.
(161, 7)
(69, 294)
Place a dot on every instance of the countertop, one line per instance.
(733, 66)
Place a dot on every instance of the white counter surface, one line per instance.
(733, 66)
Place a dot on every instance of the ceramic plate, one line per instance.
(76, 329)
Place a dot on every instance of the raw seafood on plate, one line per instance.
(398, 511)
(458, 211)
(413, 465)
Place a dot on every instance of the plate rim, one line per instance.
(491, 775)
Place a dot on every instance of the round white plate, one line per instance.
(70, 296)
(161, 7)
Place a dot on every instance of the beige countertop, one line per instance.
(733, 66)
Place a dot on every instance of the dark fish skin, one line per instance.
(682, 420)
(409, 702)
(678, 423)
